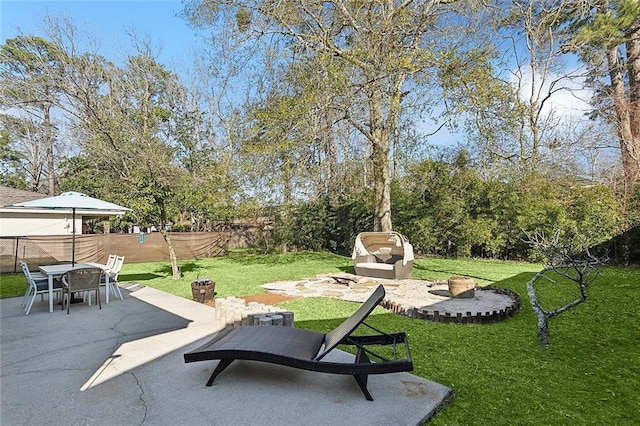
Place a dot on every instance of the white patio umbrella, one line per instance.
(74, 201)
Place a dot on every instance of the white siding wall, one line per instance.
(23, 224)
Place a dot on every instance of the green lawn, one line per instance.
(591, 374)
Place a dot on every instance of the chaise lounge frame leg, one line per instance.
(362, 379)
(362, 382)
(224, 363)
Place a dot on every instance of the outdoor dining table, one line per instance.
(59, 270)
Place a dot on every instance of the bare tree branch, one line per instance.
(565, 259)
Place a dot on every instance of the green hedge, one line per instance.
(448, 209)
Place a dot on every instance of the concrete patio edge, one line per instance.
(124, 364)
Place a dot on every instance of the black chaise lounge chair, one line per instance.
(306, 349)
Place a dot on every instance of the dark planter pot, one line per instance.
(203, 290)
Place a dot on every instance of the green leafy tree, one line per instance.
(372, 53)
(23, 157)
(606, 36)
(127, 123)
(11, 165)
(206, 203)
(29, 92)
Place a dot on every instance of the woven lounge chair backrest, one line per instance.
(334, 337)
(83, 279)
(373, 241)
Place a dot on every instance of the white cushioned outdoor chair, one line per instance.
(383, 255)
(37, 283)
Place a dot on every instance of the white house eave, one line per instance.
(79, 212)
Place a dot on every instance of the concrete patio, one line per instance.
(123, 365)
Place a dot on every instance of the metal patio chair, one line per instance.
(81, 280)
(37, 283)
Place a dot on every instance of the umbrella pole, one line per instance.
(73, 238)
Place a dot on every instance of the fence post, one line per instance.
(15, 258)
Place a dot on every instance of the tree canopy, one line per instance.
(317, 111)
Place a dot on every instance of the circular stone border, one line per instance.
(415, 298)
(468, 317)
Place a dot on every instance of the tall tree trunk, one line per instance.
(330, 153)
(627, 111)
(380, 139)
(287, 195)
(175, 269)
(381, 182)
(631, 154)
(51, 175)
(327, 141)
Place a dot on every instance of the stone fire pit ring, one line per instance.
(419, 299)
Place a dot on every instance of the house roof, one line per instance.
(12, 196)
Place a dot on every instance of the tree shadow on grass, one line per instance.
(138, 277)
(450, 272)
(285, 259)
(332, 260)
(184, 267)
(347, 269)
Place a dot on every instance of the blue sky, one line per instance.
(109, 21)
(157, 21)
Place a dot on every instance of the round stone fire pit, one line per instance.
(421, 299)
(488, 304)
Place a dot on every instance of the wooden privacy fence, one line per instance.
(46, 250)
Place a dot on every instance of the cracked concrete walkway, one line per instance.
(123, 365)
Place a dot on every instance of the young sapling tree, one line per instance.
(566, 262)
